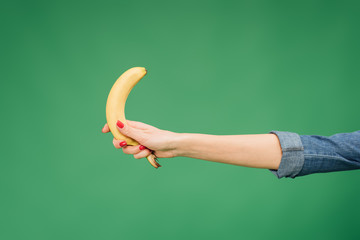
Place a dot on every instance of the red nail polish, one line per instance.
(120, 124)
(123, 143)
(141, 147)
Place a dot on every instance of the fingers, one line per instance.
(131, 149)
(106, 128)
(119, 143)
(139, 125)
(133, 124)
(129, 131)
(142, 154)
(128, 149)
(138, 151)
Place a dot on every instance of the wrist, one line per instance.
(179, 144)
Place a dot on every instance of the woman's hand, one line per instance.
(161, 142)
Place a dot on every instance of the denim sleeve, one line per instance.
(307, 154)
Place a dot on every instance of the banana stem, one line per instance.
(152, 160)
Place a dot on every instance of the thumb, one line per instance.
(129, 131)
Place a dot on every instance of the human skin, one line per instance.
(254, 150)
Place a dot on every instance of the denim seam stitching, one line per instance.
(321, 155)
(293, 150)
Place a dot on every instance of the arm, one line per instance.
(260, 151)
(287, 154)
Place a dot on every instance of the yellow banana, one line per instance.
(115, 106)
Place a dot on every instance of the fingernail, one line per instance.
(120, 124)
(141, 147)
(122, 144)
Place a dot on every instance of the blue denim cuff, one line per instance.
(292, 159)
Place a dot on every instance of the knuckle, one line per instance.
(125, 130)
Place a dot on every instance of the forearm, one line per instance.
(259, 150)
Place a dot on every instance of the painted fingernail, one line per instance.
(120, 124)
(141, 147)
(122, 144)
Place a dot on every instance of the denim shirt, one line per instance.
(307, 154)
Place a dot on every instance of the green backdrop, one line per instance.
(217, 67)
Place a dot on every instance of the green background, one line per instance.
(217, 67)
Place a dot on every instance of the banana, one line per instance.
(115, 105)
